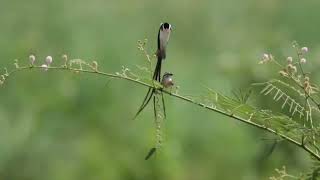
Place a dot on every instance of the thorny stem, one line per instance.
(246, 121)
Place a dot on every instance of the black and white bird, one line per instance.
(163, 38)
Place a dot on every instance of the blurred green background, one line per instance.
(62, 126)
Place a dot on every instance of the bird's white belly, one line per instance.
(164, 38)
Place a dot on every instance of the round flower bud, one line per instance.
(45, 67)
(95, 65)
(65, 57)
(294, 69)
(303, 60)
(265, 57)
(32, 59)
(304, 49)
(48, 60)
(289, 59)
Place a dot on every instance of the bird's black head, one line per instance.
(166, 25)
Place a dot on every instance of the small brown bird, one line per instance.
(167, 80)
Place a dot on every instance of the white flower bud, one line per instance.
(65, 57)
(65, 60)
(304, 49)
(95, 65)
(265, 57)
(289, 59)
(303, 60)
(294, 69)
(48, 60)
(32, 59)
(45, 67)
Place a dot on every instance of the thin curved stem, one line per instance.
(124, 77)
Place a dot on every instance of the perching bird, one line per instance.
(167, 80)
(163, 38)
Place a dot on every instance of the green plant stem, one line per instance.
(124, 77)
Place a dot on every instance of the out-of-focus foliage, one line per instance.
(57, 125)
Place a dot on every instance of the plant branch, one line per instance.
(175, 95)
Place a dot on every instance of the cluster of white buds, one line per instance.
(32, 59)
(307, 86)
(266, 58)
(304, 50)
(291, 69)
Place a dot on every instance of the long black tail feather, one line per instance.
(156, 76)
(157, 70)
(146, 99)
(150, 153)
